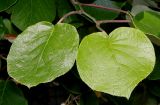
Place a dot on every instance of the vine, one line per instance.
(97, 22)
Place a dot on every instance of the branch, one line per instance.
(98, 6)
(98, 23)
(69, 14)
(113, 21)
(2, 57)
(80, 12)
(74, 2)
(105, 8)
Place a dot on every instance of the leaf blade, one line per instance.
(102, 61)
(45, 56)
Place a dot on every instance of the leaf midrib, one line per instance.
(41, 54)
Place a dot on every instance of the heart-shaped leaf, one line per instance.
(115, 64)
(42, 53)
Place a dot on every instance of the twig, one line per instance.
(69, 14)
(80, 12)
(113, 21)
(87, 15)
(105, 8)
(98, 23)
(68, 99)
(3, 57)
(130, 16)
(94, 20)
(98, 6)
(75, 2)
(71, 99)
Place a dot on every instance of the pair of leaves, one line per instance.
(114, 64)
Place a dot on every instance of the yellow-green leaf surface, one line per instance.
(43, 52)
(115, 64)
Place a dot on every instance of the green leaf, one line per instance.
(10, 94)
(115, 64)
(146, 25)
(148, 22)
(139, 8)
(9, 26)
(42, 52)
(29, 12)
(5, 4)
(101, 14)
(3, 29)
